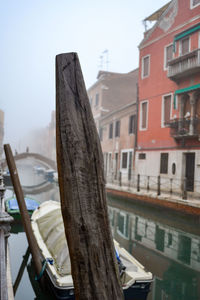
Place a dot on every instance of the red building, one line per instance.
(169, 95)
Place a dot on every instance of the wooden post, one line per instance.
(82, 187)
(158, 186)
(5, 221)
(23, 210)
(21, 271)
(138, 182)
(148, 183)
(120, 178)
(184, 191)
(171, 180)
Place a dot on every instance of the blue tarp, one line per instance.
(30, 204)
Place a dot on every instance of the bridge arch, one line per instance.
(45, 160)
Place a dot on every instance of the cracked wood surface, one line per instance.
(82, 187)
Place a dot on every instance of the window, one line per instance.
(124, 160)
(164, 163)
(143, 115)
(122, 226)
(111, 131)
(145, 66)
(166, 109)
(97, 99)
(132, 123)
(109, 161)
(184, 46)
(168, 55)
(194, 3)
(142, 156)
(184, 249)
(101, 134)
(117, 128)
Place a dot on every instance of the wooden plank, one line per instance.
(23, 210)
(82, 187)
(9, 277)
(3, 279)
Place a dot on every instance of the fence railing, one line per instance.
(158, 184)
(5, 221)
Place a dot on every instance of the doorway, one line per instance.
(189, 171)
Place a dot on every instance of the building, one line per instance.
(51, 138)
(114, 106)
(169, 96)
(1, 132)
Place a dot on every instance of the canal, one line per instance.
(165, 242)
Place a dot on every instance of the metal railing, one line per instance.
(5, 221)
(183, 64)
(184, 127)
(160, 185)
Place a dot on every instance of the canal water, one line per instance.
(165, 242)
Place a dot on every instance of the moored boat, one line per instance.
(50, 237)
(12, 208)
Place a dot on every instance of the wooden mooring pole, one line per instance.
(82, 188)
(5, 221)
(23, 210)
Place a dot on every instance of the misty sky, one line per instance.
(34, 32)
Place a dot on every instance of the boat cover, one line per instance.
(51, 228)
(31, 204)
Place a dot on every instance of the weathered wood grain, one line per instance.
(82, 187)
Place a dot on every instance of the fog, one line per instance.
(34, 32)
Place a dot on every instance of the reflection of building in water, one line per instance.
(167, 252)
(175, 244)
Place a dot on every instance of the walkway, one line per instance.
(175, 202)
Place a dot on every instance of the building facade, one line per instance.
(169, 95)
(114, 106)
(1, 132)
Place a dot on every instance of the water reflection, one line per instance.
(166, 244)
(172, 255)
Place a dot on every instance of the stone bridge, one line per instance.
(44, 160)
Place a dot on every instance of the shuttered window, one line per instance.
(117, 128)
(184, 46)
(143, 115)
(124, 160)
(145, 66)
(166, 109)
(132, 123)
(195, 3)
(168, 54)
(164, 163)
(111, 131)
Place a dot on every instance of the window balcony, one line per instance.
(183, 128)
(185, 65)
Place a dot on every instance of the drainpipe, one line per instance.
(136, 123)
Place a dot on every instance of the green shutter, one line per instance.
(185, 90)
(184, 34)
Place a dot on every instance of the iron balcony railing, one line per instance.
(184, 65)
(186, 128)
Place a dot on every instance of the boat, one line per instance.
(12, 208)
(49, 174)
(51, 240)
(55, 176)
(7, 179)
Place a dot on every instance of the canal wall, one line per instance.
(189, 206)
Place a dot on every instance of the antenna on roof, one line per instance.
(101, 62)
(104, 61)
(105, 52)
